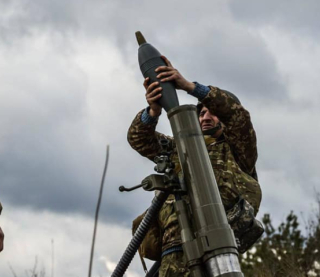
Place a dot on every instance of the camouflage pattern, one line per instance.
(239, 131)
(144, 139)
(233, 156)
(246, 228)
(172, 265)
(249, 236)
(168, 222)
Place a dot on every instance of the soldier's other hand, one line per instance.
(1, 239)
(152, 96)
(169, 73)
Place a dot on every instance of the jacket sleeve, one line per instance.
(144, 139)
(239, 132)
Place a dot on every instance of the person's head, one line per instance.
(209, 121)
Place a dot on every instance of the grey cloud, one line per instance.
(288, 151)
(52, 140)
(31, 233)
(52, 143)
(293, 16)
(207, 44)
(240, 63)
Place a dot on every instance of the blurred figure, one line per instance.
(1, 233)
(1, 239)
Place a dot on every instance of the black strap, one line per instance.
(143, 262)
(213, 130)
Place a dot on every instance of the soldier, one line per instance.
(1, 239)
(231, 143)
(1, 233)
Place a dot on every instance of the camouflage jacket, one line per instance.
(233, 157)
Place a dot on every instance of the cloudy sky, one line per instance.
(70, 84)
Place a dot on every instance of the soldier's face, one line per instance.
(207, 120)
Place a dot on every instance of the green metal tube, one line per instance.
(196, 167)
(214, 240)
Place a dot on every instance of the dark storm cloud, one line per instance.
(293, 16)
(53, 138)
(239, 63)
(41, 118)
(50, 151)
(207, 44)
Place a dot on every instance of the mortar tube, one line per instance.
(214, 236)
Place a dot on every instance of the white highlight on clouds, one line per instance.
(112, 265)
(297, 61)
(28, 234)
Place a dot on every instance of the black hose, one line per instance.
(139, 235)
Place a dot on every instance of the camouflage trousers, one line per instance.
(172, 265)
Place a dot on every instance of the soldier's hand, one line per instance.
(152, 96)
(1, 239)
(169, 73)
